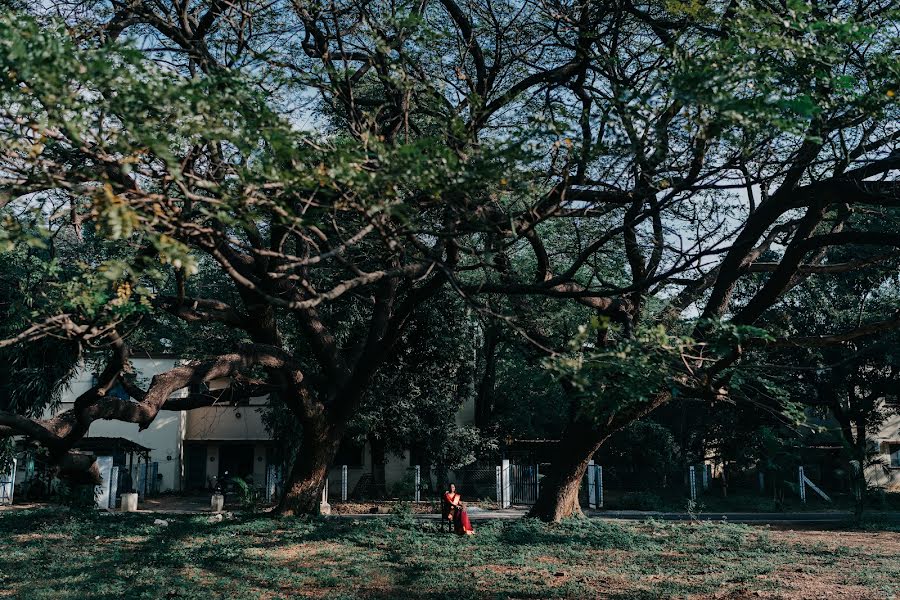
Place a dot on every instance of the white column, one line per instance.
(418, 483)
(801, 477)
(343, 483)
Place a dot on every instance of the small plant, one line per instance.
(75, 496)
(406, 487)
(248, 496)
(402, 516)
(642, 501)
(694, 509)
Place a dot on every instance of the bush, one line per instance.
(249, 497)
(642, 501)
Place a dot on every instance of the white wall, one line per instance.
(164, 435)
(886, 476)
(223, 423)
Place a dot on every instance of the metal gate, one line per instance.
(525, 483)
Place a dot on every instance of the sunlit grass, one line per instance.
(58, 554)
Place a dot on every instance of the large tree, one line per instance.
(336, 165)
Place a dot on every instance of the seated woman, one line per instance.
(458, 513)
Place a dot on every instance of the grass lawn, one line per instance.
(58, 554)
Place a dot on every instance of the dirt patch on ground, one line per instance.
(362, 508)
(302, 554)
(792, 585)
(880, 542)
(24, 538)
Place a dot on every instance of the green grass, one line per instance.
(62, 554)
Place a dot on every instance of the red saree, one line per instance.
(460, 517)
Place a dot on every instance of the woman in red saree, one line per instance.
(458, 513)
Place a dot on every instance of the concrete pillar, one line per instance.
(8, 484)
(217, 503)
(505, 484)
(324, 507)
(599, 481)
(129, 502)
(592, 485)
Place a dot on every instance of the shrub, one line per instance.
(642, 501)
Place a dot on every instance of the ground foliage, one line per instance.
(258, 556)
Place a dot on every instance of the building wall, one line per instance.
(226, 423)
(214, 426)
(466, 413)
(260, 461)
(163, 436)
(885, 476)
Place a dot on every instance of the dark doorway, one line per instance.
(195, 467)
(236, 460)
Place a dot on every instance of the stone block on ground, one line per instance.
(129, 502)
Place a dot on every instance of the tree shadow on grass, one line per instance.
(252, 555)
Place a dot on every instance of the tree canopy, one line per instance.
(308, 175)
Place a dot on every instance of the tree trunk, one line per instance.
(558, 498)
(484, 400)
(379, 459)
(303, 486)
(858, 480)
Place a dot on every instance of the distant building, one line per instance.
(887, 474)
(191, 450)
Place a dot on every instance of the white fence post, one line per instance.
(499, 487)
(418, 483)
(802, 480)
(537, 481)
(7, 486)
(599, 478)
(692, 477)
(324, 507)
(271, 482)
(505, 484)
(101, 491)
(592, 485)
(113, 486)
(343, 483)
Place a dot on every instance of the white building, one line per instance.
(193, 449)
(190, 448)
(887, 475)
